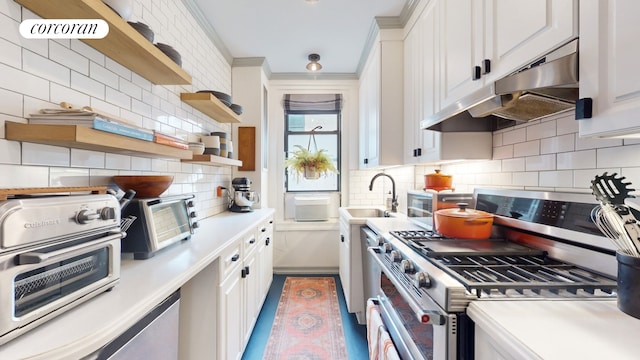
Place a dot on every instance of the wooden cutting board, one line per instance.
(5, 193)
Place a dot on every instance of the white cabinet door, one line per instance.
(462, 36)
(419, 81)
(381, 103)
(609, 54)
(251, 284)
(266, 266)
(230, 315)
(520, 31)
(344, 268)
(484, 40)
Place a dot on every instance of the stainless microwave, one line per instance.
(421, 204)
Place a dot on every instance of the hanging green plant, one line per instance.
(310, 165)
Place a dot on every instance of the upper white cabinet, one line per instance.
(381, 102)
(421, 76)
(609, 54)
(484, 40)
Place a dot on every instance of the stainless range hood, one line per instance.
(546, 87)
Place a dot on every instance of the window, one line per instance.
(299, 130)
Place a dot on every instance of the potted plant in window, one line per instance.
(310, 165)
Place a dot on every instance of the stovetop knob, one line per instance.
(386, 247)
(396, 256)
(407, 266)
(380, 240)
(422, 280)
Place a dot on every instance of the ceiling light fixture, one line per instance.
(314, 65)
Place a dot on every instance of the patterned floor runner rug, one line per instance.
(307, 325)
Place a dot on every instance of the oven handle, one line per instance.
(424, 316)
(40, 257)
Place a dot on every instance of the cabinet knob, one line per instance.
(366, 161)
(419, 151)
(341, 238)
(477, 72)
(267, 241)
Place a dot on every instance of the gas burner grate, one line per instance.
(486, 274)
(405, 235)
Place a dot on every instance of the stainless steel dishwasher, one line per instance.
(370, 269)
(155, 336)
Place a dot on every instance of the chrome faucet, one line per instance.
(394, 197)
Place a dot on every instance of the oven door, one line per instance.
(47, 280)
(405, 319)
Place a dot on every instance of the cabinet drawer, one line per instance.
(230, 260)
(249, 244)
(265, 229)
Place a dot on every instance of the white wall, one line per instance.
(37, 74)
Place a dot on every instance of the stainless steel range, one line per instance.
(55, 253)
(543, 246)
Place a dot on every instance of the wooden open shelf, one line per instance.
(82, 137)
(123, 44)
(207, 159)
(210, 106)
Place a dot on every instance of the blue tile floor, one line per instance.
(355, 334)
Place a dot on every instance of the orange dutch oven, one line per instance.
(463, 223)
(437, 181)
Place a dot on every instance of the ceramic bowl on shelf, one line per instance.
(236, 109)
(172, 53)
(124, 8)
(145, 186)
(143, 29)
(197, 148)
(224, 98)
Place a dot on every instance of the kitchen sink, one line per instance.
(367, 212)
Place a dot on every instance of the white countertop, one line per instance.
(143, 284)
(560, 330)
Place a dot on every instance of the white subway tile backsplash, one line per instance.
(20, 176)
(45, 68)
(38, 154)
(11, 103)
(9, 152)
(502, 152)
(512, 165)
(23, 82)
(117, 162)
(624, 156)
(103, 75)
(87, 158)
(567, 125)
(68, 57)
(563, 178)
(582, 178)
(61, 93)
(577, 160)
(87, 85)
(525, 178)
(117, 68)
(526, 148)
(514, 136)
(93, 55)
(11, 54)
(117, 98)
(542, 130)
(557, 144)
(539, 163)
(68, 177)
(11, 9)
(140, 163)
(131, 89)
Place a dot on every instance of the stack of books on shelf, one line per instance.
(90, 119)
(168, 140)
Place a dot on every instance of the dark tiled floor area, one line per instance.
(355, 335)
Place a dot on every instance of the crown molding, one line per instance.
(208, 29)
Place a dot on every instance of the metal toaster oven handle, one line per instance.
(37, 257)
(424, 316)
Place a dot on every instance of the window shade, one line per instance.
(312, 102)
